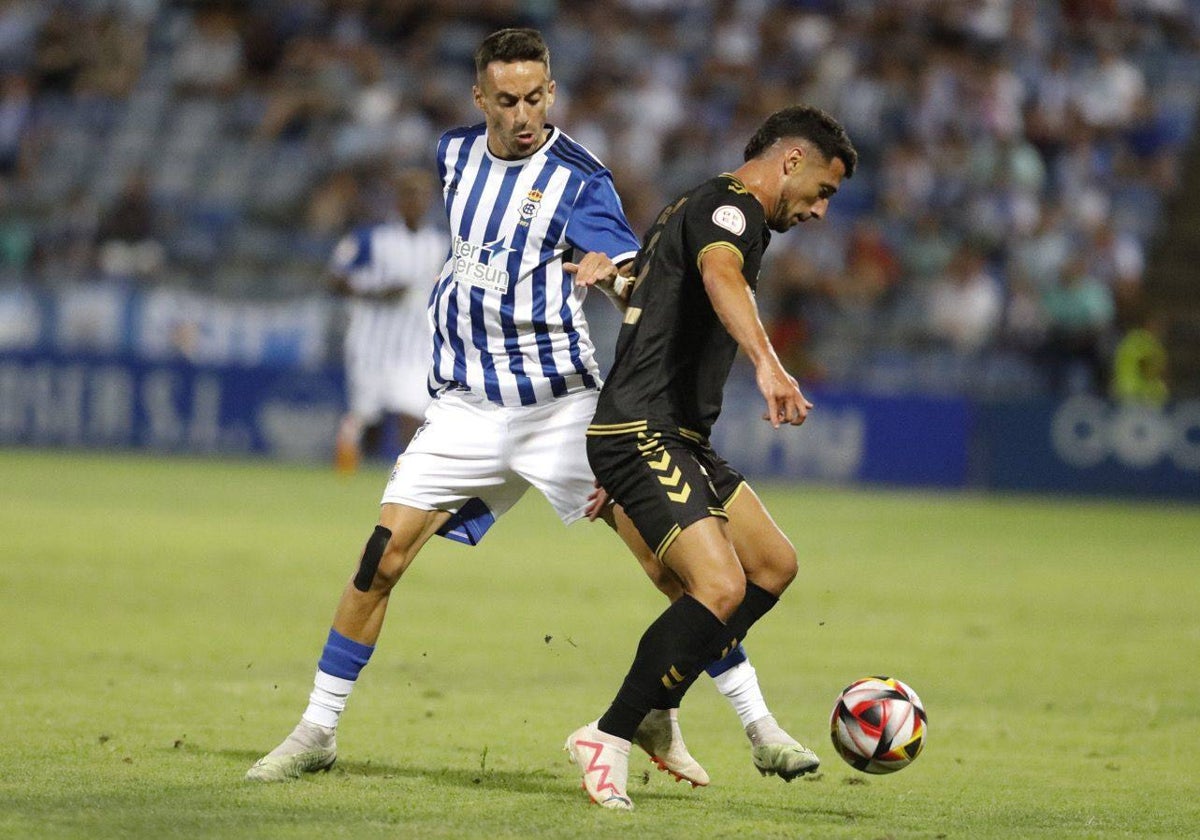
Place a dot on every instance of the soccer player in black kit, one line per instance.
(691, 309)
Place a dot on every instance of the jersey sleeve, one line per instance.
(598, 223)
(729, 218)
(351, 254)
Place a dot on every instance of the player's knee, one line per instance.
(722, 593)
(777, 568)
(381, 565)
(786, 565)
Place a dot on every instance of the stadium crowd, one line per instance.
(1015, 155)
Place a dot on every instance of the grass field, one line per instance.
(162, 620)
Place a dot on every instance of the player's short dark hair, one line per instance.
(509, 45)
(811, 124)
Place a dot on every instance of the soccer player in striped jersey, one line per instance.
(514, 378)
(386, 271)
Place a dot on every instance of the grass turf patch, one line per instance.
(163, 619)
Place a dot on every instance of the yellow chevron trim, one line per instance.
(671, 480)
(666, 542)
(633, 314)
(690, 435)
(720, 513)
(713, 245)
(662, 463)
(680, 496)
(648, 442)
(672, 678)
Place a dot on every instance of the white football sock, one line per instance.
(327, 700)
(740, 686)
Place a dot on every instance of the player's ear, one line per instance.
(478, 96)
(550, 94)
(793, 158)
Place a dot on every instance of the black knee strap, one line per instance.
(372, 554)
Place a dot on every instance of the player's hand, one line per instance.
(785, 402)
(598, 500)
(594, 269)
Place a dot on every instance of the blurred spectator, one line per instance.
(65, 248)
(927, 248)
(59, 52)
(1026, 321)
(16, 238)
(1109, 90)
(20, 21)
(1140, 365)
(1031, 130)
(1116, 258)
(127, 239)
(300, 95)
(208, 59)
(114, 57)
(965, 303)
(16, 112)
(1079, 310)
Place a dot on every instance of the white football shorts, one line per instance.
(476, 459)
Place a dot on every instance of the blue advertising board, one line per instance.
(1087, 445)
(49, 399)
(909, 440)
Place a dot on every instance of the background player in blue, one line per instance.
(691, 309)
(513, 375)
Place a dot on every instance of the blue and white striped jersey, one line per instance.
(508, 322)
(390, 271)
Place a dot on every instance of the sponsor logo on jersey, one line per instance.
(729, 217)
(472, 264)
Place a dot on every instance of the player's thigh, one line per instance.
(549, 450)
(765, 552)
(662, 577)
(704, 559)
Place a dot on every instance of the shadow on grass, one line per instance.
(533, 781)
(554, 781)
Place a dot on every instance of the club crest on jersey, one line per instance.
(529, 206)
(729, 217)
(472, 264)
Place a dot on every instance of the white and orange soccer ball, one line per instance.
(878, 725)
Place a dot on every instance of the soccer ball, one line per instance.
(878, 725)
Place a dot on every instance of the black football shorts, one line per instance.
(665, 481)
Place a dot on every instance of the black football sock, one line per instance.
(675, 647)
(757, 603)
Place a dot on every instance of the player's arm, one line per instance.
(597, 227)
(733, 300)
(596, 269)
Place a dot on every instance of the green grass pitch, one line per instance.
(162, 620)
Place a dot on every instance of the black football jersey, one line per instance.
(673, 353)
